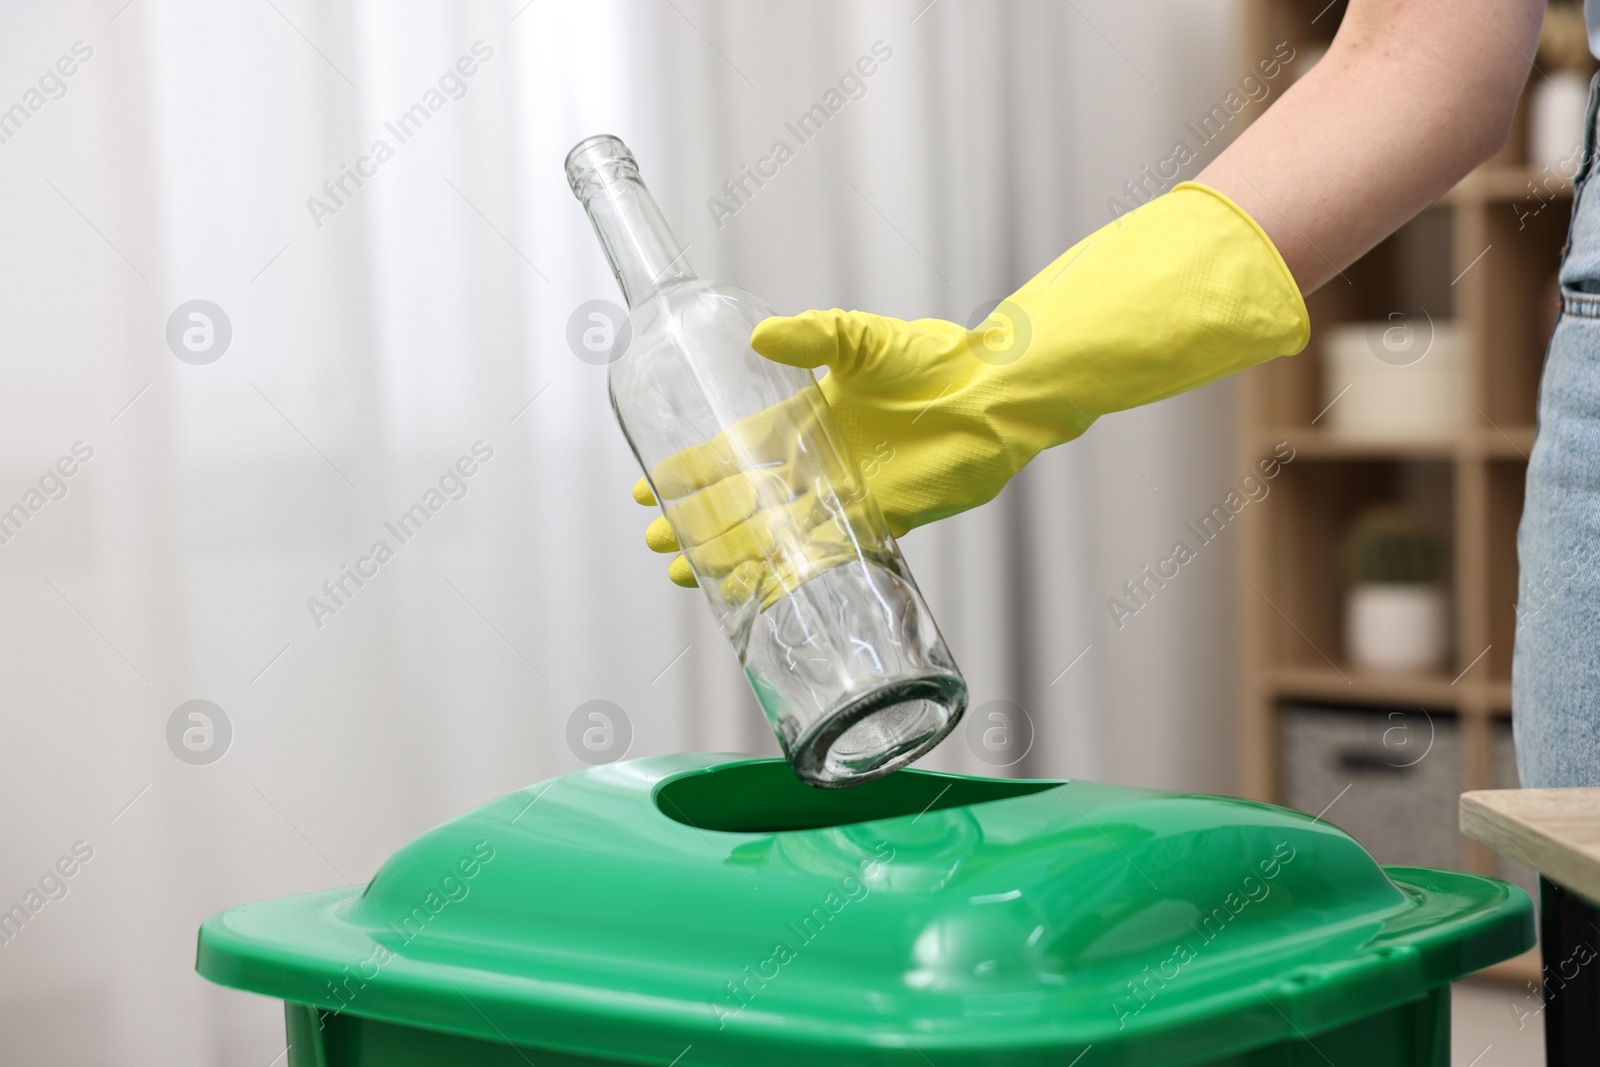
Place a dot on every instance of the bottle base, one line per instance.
(880, 731)
(852, 674)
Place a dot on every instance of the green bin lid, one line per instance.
(714, 910)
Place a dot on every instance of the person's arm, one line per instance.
(1185, 289)
(1410, 97)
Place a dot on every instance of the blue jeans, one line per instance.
(1555, 674)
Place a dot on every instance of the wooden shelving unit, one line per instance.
(1481, 256)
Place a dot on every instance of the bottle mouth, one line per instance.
(597, 161)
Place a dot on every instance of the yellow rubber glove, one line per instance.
(761, 526)
(1178, 293)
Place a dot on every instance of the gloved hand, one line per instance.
(763, 525)
(1178, 293)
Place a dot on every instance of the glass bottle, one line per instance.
(771, 511)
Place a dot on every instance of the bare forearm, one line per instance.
(1410, 97)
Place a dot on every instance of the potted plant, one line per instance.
(1396, 611)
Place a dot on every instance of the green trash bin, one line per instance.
(711, 911)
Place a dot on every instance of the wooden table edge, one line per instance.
(1486, 820)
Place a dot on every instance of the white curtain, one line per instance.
(382, 332)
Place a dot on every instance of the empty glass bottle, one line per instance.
(771, 511)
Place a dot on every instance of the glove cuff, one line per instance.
(1178, 293)
(1295, 304)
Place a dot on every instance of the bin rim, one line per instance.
(1437, 926)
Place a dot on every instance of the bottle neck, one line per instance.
(644, 255)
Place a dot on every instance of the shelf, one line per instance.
(1319, 444)
(1326, 683)
(1518, 970)
(1506, 442)
(1311, 443)
(1346, 684)
(1493, 183)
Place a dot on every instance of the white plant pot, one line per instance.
(1557, 109)
(1396, 627)
(1393, 380)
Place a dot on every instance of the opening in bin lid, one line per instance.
(714, 909)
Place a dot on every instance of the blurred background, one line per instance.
(227, 364)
